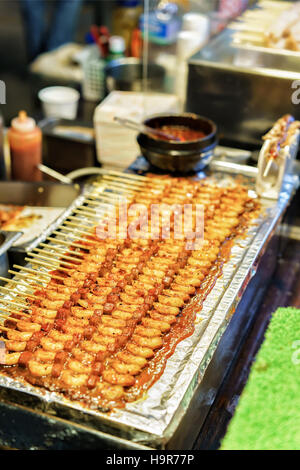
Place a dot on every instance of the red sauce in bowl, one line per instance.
(181, 133)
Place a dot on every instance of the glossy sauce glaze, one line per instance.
(88, 393)
(181, 133)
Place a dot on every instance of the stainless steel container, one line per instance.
(244, 93)
(127, 75)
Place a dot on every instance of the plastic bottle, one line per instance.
(25, 141)
(116, 48)
(163, 24)
(125, 19)
(194, 35)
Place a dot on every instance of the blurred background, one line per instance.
(113, 57)
(14, 59)
(24, 70)
(73, 65)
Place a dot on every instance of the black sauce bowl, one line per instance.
(179, 157)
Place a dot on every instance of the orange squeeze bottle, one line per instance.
(25, 141)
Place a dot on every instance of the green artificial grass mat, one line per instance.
(268, 414)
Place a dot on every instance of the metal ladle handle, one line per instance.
(136, 126)
(58, 176)
(73, 175)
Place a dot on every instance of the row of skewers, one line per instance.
(281, 136)
(90, 314)
(273, 25)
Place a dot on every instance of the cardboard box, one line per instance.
(116, 145)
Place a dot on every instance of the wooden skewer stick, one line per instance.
(34, 287)
(83, 241)
(92, 213)
(72, 230)
(137, 183)
(20, 294)
(110, 198)
(146, 181)
(268, 168)
(32, 271)
(72, 224)
(124, 186)
(101, 204)
(121, 177)
(16, 312)
(5, 329)
(247, 27)
(103, 191)
(34, 255)
(71, 253)
(124, 175)
(84, 216)
(10, 302)
(47, 265)
(97, 217)
(56, 252)
(89, 216)
(253, 38)
(105, 199)
(92, 202)
(35, 277)
(111, 202)
(16, 283)
(27, 276)
(48, 287)
(68, 244)
(6, 317)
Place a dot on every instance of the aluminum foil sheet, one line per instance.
(153, 419)
(36, 240)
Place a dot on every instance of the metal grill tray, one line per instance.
(39, 197)
(154, 419)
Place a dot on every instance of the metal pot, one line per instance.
(127, 75)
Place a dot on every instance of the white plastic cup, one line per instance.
(198, 23)
(188, 43)
(59, 101)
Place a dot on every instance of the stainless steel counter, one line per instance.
(244, 92)
(175, 407)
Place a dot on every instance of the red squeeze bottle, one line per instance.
(25, 141)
